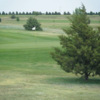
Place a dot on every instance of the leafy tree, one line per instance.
(36, 13)
(32, 22)
(68, 13)
(99, 13)
(92, 13)
(80, 52)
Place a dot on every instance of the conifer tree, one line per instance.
(17, 19)
(80, 47)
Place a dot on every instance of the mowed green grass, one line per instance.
(27, 71)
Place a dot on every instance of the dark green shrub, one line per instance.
(13, 17)
(0, 20)
(17, 19)
(32, 22)
(80, 51)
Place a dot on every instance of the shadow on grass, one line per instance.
(72, 80)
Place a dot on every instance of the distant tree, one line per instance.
(36, 13)
(23, 13)
(3, 13)
(99, 13)
(91, 13)
(13, 13)
(16, 12)
(53, 13)
(26, 13)
(56, 13)
(0, 20)
(80, 52)
(17, 19)
(33, 13)
(29, 13)
(65, 13)
(40, 13)
(68, 13)
(20, 13)
(49, 13)
(9, 13)
(96, 13)
(32, 22)
(13, 16)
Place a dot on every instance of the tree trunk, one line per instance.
(86, 76)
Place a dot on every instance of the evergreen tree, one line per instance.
(47, 13)
(99, 13)
(68, 13)
(27, 13)
(23, 13)
(65, 13)
(9, 13)
(17, 19)
(91, 13)
(50, 13)
(16, 12)
(80, 52)
(3, 13)
(13, 13)
(32, 22)
(20, 13)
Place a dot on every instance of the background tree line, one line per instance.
(47, 13)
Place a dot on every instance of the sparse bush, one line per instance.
(32, 22)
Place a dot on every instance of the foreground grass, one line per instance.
(27, 71)
(21, 86)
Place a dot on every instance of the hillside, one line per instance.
(27, 71)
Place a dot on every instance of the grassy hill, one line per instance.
(27, 71)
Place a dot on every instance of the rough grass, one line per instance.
(27, 71)
(47, 21)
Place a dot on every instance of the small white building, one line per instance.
(34, 28)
